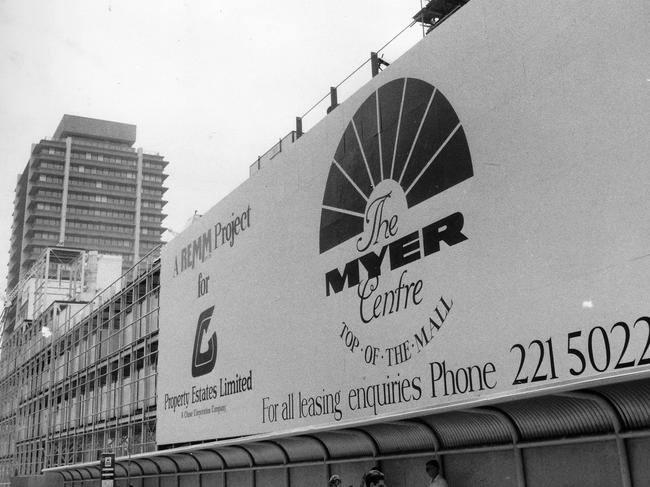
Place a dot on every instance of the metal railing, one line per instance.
(290, 138)
(430, 17)
(332, 95)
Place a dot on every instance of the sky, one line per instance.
(210, 84)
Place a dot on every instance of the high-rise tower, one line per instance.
(87, 187)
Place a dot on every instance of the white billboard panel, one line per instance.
(461, 229)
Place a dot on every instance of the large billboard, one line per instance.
(472, 225)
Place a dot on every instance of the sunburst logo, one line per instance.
(404, 145)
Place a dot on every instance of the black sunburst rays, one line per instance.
(406, 131)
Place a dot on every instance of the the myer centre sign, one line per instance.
(415, 250)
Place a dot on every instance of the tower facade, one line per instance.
(87, 187)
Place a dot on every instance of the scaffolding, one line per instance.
(58, 275)
(79, 376)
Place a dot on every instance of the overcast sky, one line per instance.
(209, 84)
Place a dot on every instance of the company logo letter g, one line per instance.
(203, 362)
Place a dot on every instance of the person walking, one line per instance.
(335, 481)
(433, 470)
(374, 478)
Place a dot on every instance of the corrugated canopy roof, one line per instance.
(613, 410)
